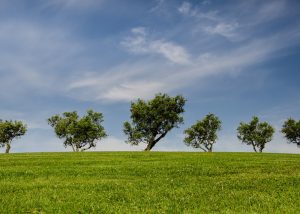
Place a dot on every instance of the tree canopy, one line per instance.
(9, 130)
(79, 133)
(291, 131)
(203, 134)
(153, 119)
(255, 133)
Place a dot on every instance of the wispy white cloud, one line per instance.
(158, 6)
(171, 51)
(133, 90)
(139, 43)
(224, 29)
(232, 27)
(32, 57)
(188, 9)
(256, 12)
(127, 81)
(185, 8)
(213, 23)
(33, 121)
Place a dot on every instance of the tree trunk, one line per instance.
(150, 145)
(73, 148)
(254, 148)
(7, 148)
(153, 141)
(204, 150)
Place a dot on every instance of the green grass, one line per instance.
(153, 182)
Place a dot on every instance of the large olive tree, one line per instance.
(291, 131)
(79, 133)
(255, 133)
(9, 130)
(153, 119)
(203, 134)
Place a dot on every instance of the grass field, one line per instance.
(149, 182)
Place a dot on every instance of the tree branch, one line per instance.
(254, 147)
(160, 137)
(73, 147)
(202, 148)
(83, 149)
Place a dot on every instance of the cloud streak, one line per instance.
(139, 43)
(127, 82)
(32, 57)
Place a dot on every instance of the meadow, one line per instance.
(149, 182)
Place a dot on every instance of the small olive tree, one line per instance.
(203, 134)
(79, 133)
(255, 133)
(291, 131)
(9, 130)
(153, 119)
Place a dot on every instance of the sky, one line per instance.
(235, 59)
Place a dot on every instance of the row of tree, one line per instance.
(150, 122)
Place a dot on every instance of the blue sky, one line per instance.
(232, 58)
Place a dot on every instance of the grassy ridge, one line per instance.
(155, 182)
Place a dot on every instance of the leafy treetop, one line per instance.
(291, 130)
(152, 120)
(255, 133)
(203, 134)
(9, 130)
(79, 133)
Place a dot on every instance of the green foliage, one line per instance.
(203, 134)
(9, 130)
(158, 182)
(79, 133)
(255, 133)
(152, 120)
(291, 131)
